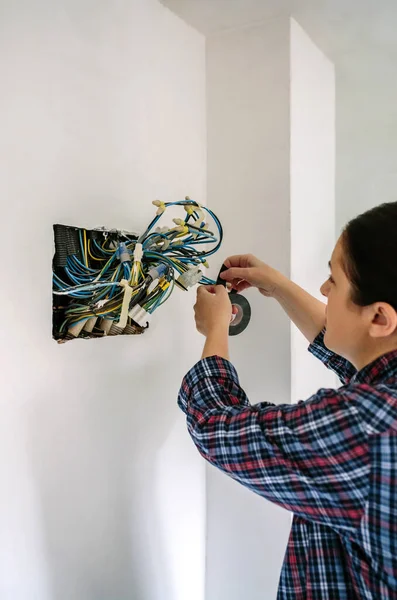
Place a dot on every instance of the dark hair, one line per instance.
(370, 255)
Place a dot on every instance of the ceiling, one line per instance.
(360, 32)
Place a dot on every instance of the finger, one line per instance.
(220, 289)
(205, 289)
(235, 273)
(240, 286)
(238, 260)
(234, 310)
(211, 289)
(229, 287)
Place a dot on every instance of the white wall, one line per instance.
(271, 178)
(366, 110)
(248, 186)
(312, 192)
(102, 109)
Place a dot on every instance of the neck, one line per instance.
(371, 352)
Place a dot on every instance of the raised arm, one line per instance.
(304, 310)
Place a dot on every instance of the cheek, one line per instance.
(338, 309)
(335, 309)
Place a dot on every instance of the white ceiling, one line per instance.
(360, 32)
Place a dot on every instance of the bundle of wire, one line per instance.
(108, 282)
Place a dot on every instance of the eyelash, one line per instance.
(331, 279)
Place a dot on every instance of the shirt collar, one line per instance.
(382, 369)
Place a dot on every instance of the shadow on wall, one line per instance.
(94, 441)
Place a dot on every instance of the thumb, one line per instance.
(235, 273)
(220, 289)
(205, 289)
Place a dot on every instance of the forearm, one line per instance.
(303, 309)
(217, 344)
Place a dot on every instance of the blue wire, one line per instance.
(82, 266)
(80, 274)
(81, 243)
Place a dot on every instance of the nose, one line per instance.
(324, 289)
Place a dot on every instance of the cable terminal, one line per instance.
(140, 316)
(183, 230)
(162, 230)
(164, 245)
(138, 252)
(190, 278)
(161, 206)
(179, 222)
(164, 284)
(157, 272)
(189, 209)
(124, 255)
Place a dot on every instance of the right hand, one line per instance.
(245, 271)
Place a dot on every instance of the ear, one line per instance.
(384, 320)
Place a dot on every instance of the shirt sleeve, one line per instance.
(311, 458)
(339, 365)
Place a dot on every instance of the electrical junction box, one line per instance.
(108, 282)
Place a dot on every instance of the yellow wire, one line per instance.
(107, 249)
(89, 252)
(85, 249)
(105, 312)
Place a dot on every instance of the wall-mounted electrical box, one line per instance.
(109, 282)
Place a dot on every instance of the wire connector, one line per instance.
(157, 272)
(161, 207)
(164, 284)
(163, 230)
(138, 252)
(124, 255)
(183, 230)
(190, 278)
(189, 209)
(140, 316)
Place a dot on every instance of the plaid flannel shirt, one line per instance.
(331, 460)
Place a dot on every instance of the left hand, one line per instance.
(213, 309)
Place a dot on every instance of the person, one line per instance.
(331, 459)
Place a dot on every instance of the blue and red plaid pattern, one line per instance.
(331, 460)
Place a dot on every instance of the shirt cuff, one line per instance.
(317, 346)
(211, 367)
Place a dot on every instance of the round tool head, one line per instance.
(242, 318)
